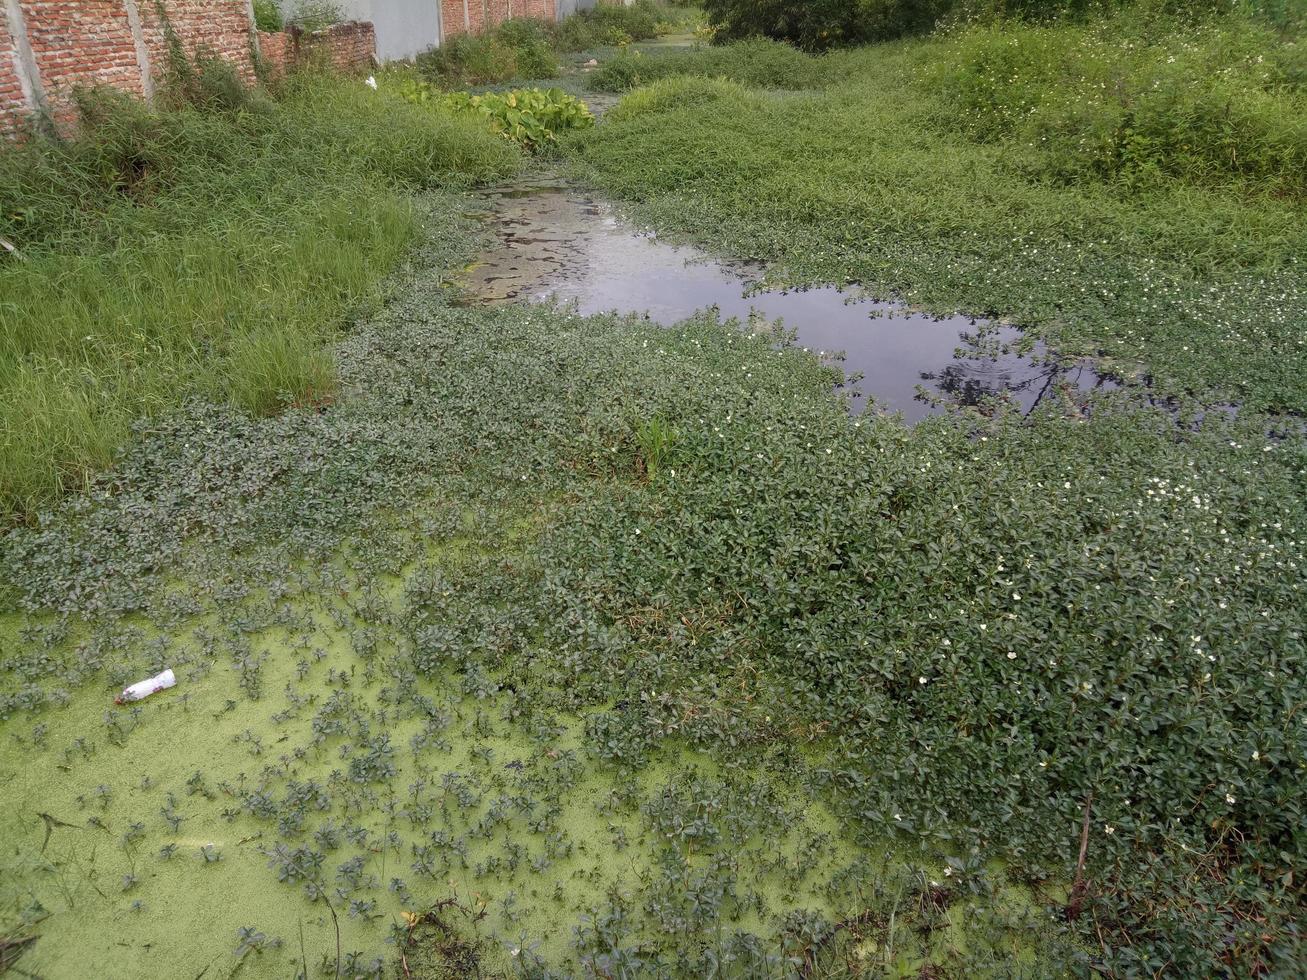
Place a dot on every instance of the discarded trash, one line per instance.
(143, 689)
(371, 82)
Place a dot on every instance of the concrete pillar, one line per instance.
(29, 76)
(142, 51)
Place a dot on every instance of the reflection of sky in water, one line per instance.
(556, 243)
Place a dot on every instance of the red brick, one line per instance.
(479, 15)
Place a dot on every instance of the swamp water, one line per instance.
(557, 242)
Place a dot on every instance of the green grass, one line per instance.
(200, 253)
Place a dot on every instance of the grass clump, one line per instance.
(761, 63)
(195, 251)
(524, 48)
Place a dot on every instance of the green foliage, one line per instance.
(188, 252)
(911, 172)
(1134, 100)
(532, 117)
(267, 15)
(314, 15)
(655, 441)
(611, 24)
(1196, 280)
(482, 59)
(759, 62)
(816, 25)
(685, 93)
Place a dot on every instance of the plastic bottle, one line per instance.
(151, 685)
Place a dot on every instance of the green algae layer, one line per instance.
(234, 823)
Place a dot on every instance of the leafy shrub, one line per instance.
(469, 59)
(532, 117)
(267, 15)
(607, 24)
(525, 48)
(315, 15)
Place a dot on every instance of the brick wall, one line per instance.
(80, 43)
(277, 49)
(349, 48)
(475, 16)
(120, 43)
(215, 27)
(346, 47)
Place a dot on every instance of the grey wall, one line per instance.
(404, 27)
(566, 8)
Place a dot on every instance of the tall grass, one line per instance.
(183, 253)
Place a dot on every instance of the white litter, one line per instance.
(151, 685)
(371, 82)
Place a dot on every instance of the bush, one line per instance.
(1133, 100)
(607, 24)
(532, 117)
(477, 59)
(816, 25)
(524, 48)
(267, 15)
(315, 15)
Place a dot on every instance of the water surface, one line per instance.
(555, 241)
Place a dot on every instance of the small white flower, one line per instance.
(1229, 798)
(898, 816)
(948, 872)
(1256, 755)
(921, 680)
(1012, 655)
(1109, 830)
(371, 82)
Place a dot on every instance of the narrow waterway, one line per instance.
(555, 241)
